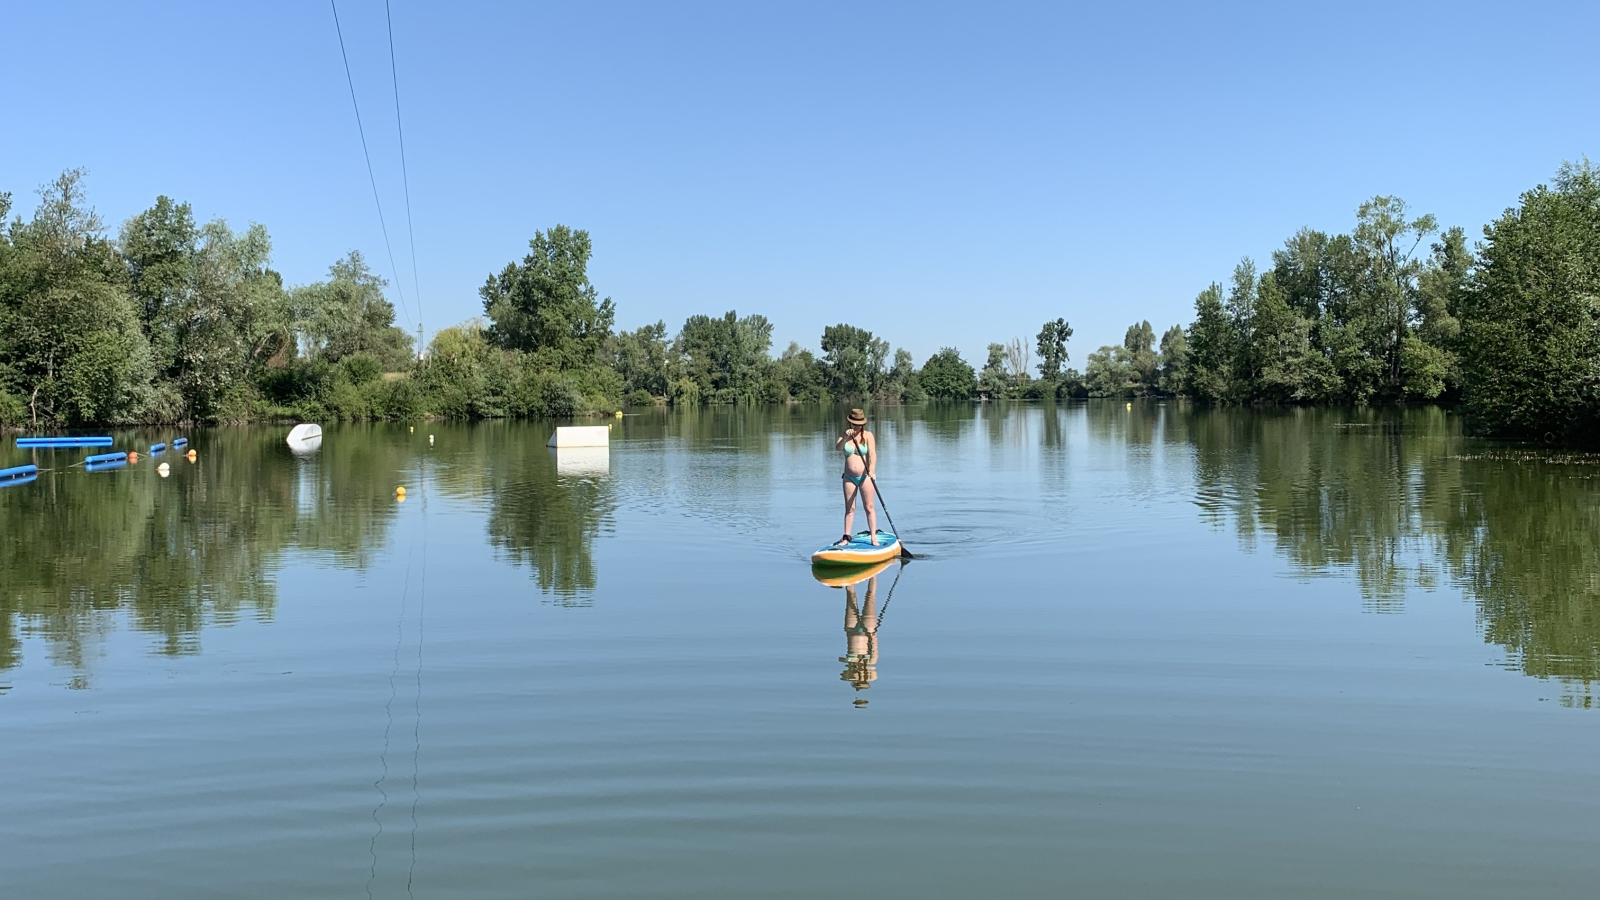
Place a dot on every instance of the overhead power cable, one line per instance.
(405, 177)
(394, 269)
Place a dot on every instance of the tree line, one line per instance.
(173, 320)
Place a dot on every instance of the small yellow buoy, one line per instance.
(430, 440)
(413, 429)
(400, 493)
(193, 456)
(619, 413)
(1130, 406)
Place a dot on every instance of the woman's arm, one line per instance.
(872, 456)
(839, 444)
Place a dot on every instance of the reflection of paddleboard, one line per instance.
(860, 551)
(836, 575)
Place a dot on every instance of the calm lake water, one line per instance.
(1151, 652)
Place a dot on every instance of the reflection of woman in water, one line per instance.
(860, 637)
(860, 450)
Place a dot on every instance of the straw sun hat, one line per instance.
(856, 417)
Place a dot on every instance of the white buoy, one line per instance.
(305, 438)
(580, 436)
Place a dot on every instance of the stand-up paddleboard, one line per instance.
(859, 552)
(836, 576)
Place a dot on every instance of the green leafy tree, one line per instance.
(546, 306)
(1441, 292)
(1139, 341)
(71, 349)
(1174, 358)
(348, 314)
(643, 359)
(728, 358)
(1110, 372)
(798, 375)
(1288, 368)
(855, 360)
(1052, 346)
(1213, 346)
(211, 309)
(1388, 243)
(995, 379)
(946, 376)
(1530, 330)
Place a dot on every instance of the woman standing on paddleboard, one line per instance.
(860, 450)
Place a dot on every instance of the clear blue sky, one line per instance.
(939, 174)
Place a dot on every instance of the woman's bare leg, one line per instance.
(849, 506)
(872, 509)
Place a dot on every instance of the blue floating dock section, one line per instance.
(157, 448)
(18, 472)
(179, 442)
(100, 459)
(13, 482)
(82, 441)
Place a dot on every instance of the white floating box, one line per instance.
(581, 436)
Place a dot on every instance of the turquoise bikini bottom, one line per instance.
(855, 479)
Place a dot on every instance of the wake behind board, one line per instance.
(859, 552)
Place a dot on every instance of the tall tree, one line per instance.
(348, 314)
(1174, 359)
(1530, 330)
(1052, 347)
(1139, 341)
(855, 359)
(1388, 242)
(946, 376)
(546, 305)
(994, 380)
(1213, 347)
(210, 307)
(728, 357)
(71, 349)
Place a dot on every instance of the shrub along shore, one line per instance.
(175, 321)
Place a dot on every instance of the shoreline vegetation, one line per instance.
(174, 321)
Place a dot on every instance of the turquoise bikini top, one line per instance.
(854, 449)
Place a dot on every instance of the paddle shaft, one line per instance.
(904, 553)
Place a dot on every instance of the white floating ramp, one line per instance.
(580, 436)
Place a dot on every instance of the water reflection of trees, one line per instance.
(1403, 501)
(537, 517)
(173, 555)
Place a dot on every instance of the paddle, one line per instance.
(904, 553)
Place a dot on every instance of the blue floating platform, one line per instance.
(80, 441)
(103, 458)
(179, 442)
(18, 472)
(157, 448)
(13, 482)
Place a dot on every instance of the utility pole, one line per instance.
(419, 341)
